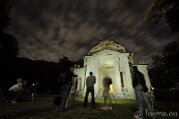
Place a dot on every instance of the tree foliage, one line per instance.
(8, 43)
(4, 11)
(8, 46)
(168, 9)
(165, 71)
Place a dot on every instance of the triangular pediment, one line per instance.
(107, 45)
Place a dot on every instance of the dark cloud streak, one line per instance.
(48, 29)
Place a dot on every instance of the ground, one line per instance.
(43, 108)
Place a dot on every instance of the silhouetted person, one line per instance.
(107, 81)
(16, 91)
(141, 92)
(65, 79)
(90, 81)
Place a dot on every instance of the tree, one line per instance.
(8, 43)
(4, 12)
(168, 9)
(8, 46)
(65, 63)
(165, 71)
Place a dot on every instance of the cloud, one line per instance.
(49, 29)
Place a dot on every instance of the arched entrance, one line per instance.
(103, 71)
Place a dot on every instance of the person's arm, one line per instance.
(14, 87)
(94, 80)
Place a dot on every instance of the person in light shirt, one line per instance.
(90, 81)
(17, 90)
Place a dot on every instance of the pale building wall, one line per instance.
(143, 68)
(80, 78)
(127, 91)
(112, 62)
(108, 59)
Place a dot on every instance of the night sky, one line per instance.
(50, 29)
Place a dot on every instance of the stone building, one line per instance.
(110, 58)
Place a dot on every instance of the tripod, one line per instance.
(109, 92)
(98, 93)
(33, 91)
(74, 92)
(152, 99)
(112, 95)
(75, 96)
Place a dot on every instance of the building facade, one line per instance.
(110, 58)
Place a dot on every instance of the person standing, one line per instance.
(141, 92)
(90, 81)
(107, 81)
(65, 80)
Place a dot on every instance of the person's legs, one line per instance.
(109, 103)
(104, 107)
(18, 97)
(139, 99)
(63, 103)
(92, 97)
(148, 103)
(86, 97)
(10, 95)
(105, 100)
(66, 90)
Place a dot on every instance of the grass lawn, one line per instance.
(43, 108)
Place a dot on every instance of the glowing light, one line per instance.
(111, 89)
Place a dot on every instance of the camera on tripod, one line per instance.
(34, 84)
(34, 91)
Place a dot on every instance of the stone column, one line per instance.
(118, 77)
(127, 76)
(96, 73)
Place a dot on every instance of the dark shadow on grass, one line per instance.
(26, 113)
(45, 110)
